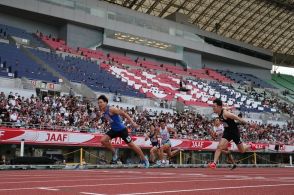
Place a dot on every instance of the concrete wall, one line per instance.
(28, 25)
(79, 36)
(142, 48)
(193, 59)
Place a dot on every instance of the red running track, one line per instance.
(257, 181)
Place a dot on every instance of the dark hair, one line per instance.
(104, 98)
(218, 102)
(161, 121)
(216, 118)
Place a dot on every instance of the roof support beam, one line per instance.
(139, 5)
(201, 14)
(237, 17)
(125, 3)
(166, 8)
(183, 5)
(152, 7)
(194, 8)
(247, 20)
(216, 14)
(283, 38)
(257, 22)
(281, 33)
(132, 3)
(278, 27)
(266, 25)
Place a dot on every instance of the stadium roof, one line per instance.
(267, 24)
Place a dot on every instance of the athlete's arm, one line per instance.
(120, 112)
(158, 134)
(147, 136)
(212, 134)
(234, 117)
(228, 107)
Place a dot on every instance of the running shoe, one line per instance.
(146, 163)
(212, 165)
(115, 157)
(234, 167)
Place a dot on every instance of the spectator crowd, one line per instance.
(70, 113)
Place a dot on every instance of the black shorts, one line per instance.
(232, 135)
(122, 134)
(155, 144)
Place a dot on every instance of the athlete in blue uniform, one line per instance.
(118, 129)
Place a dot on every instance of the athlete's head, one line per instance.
(162, 123)
(215, 119)
(217, 122)
(217, 106)
(102, 102)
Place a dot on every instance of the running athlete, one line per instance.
(118, 129)
(216, 134)
(153, 136)
(231, 131)
(164, 132)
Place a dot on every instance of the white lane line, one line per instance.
(56, 176)
(97, 179)
(84, 179)
(208, 189)
(46, 188)
(195, 174)
(118, 184)
(90, 193)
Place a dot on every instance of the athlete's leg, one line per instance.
(153, 150)
(168, 152)
(223, 144)
(163, 149)
(242, 147)
(228, 153)
(160, 153)
(105, 141)
(138, 150)
(175, 152)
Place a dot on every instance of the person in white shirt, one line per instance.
(165, 147)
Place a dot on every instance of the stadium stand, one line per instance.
(16, 64)
(75, 114)
(151, 78)
(286, 81)
(87, 72)
(242, 79)
(6, 31)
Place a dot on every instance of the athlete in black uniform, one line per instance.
(231, 131)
